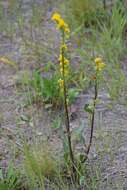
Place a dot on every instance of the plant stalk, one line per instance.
(104, 4)
(67, 121)
(92, 119)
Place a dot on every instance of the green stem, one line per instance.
(104, 4)
(67, 121)
(93, 118)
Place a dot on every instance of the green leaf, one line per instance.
(88, 108)
(82, 157)
(78, 133)
(72, 94)
(56, 123)
(25, 118)
(82, 180)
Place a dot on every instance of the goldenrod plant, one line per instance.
(62, 82)
(99, 66)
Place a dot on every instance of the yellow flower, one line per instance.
(61, 24)
(99, 64)
(63, 47)
(66, 62)
(61, 71)
(61, 58)
(98, 60)
(56, 17)
(67, 30)
(66, 71)
(61, 83)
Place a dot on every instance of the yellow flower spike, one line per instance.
(61, 83)
(99, 64)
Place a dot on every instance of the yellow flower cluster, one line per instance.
(61, 24)
(99, 64)
(64, 65)
(61, 83)
(64, 62)
(63, 47)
